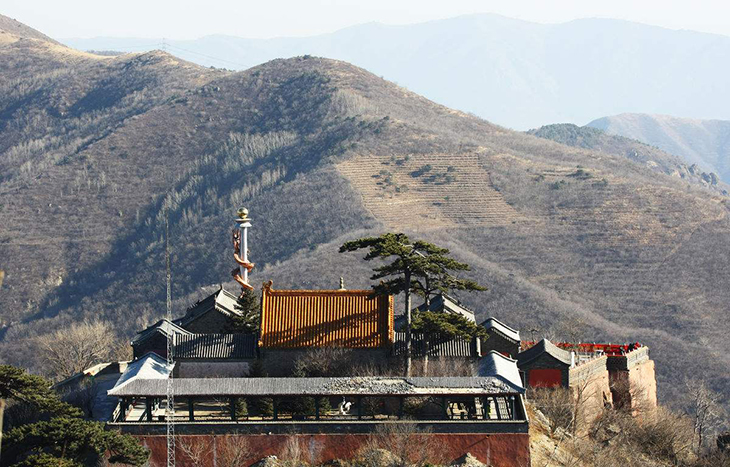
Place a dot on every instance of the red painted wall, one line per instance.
(497, 450)
(545, 378)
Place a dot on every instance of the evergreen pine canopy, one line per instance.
(73, 442)
(429, 265)
(18, 385)
(447, 326)
(64, 439)
(422, 268)
(249, 308)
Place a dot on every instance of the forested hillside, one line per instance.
(320, 151)
(702, 142)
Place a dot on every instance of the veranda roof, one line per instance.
(343, 386)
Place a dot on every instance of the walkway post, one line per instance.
(148, 408)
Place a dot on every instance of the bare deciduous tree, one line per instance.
(233, 451)
(299, 452)
(326, 361)
(403, 440)
(556, 404)
(705, 410)
(450, 367)
(73, 349)
(196, 450)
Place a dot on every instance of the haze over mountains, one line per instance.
(702, 142)
(514, 73)
(593, 240)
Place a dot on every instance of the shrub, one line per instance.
(421, 170)
(557, 405)
(241, 407)
(581, 174)
(403, 441)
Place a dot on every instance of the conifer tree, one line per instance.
(438, 277)
(248, 320)
(447, 326)
(418, 266)
(63, 437)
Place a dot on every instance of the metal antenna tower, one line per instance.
(170, 408)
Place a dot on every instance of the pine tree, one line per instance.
(418, 266)
(64, 439)
(438, 277)
(249, 318)
(447, 326)
(241, 407)
(74, 441)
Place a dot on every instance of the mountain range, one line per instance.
(583, 238)
(515, 73)
(702, 142)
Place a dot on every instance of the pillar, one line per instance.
(191, 409)
(148, 408)
(124, 407)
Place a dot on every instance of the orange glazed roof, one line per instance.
(319, 318)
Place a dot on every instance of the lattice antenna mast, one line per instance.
(170, 409)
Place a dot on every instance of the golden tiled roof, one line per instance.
(319, 318)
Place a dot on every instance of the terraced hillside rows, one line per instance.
(428, 191)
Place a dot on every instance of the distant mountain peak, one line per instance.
(513, 72)
(16, 28)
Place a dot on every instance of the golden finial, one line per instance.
(243, 214)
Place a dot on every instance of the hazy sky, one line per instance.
(189, 19)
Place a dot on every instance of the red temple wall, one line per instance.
(545, 378)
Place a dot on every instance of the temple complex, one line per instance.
(248, 385)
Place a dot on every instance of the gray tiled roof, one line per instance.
(215, 346)
(438, 348)
(150, 367)
(163, 327)
(183, 387)
(497, 325)
(442, 303)
(496, 364)
(221, 300)
(542, 347)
